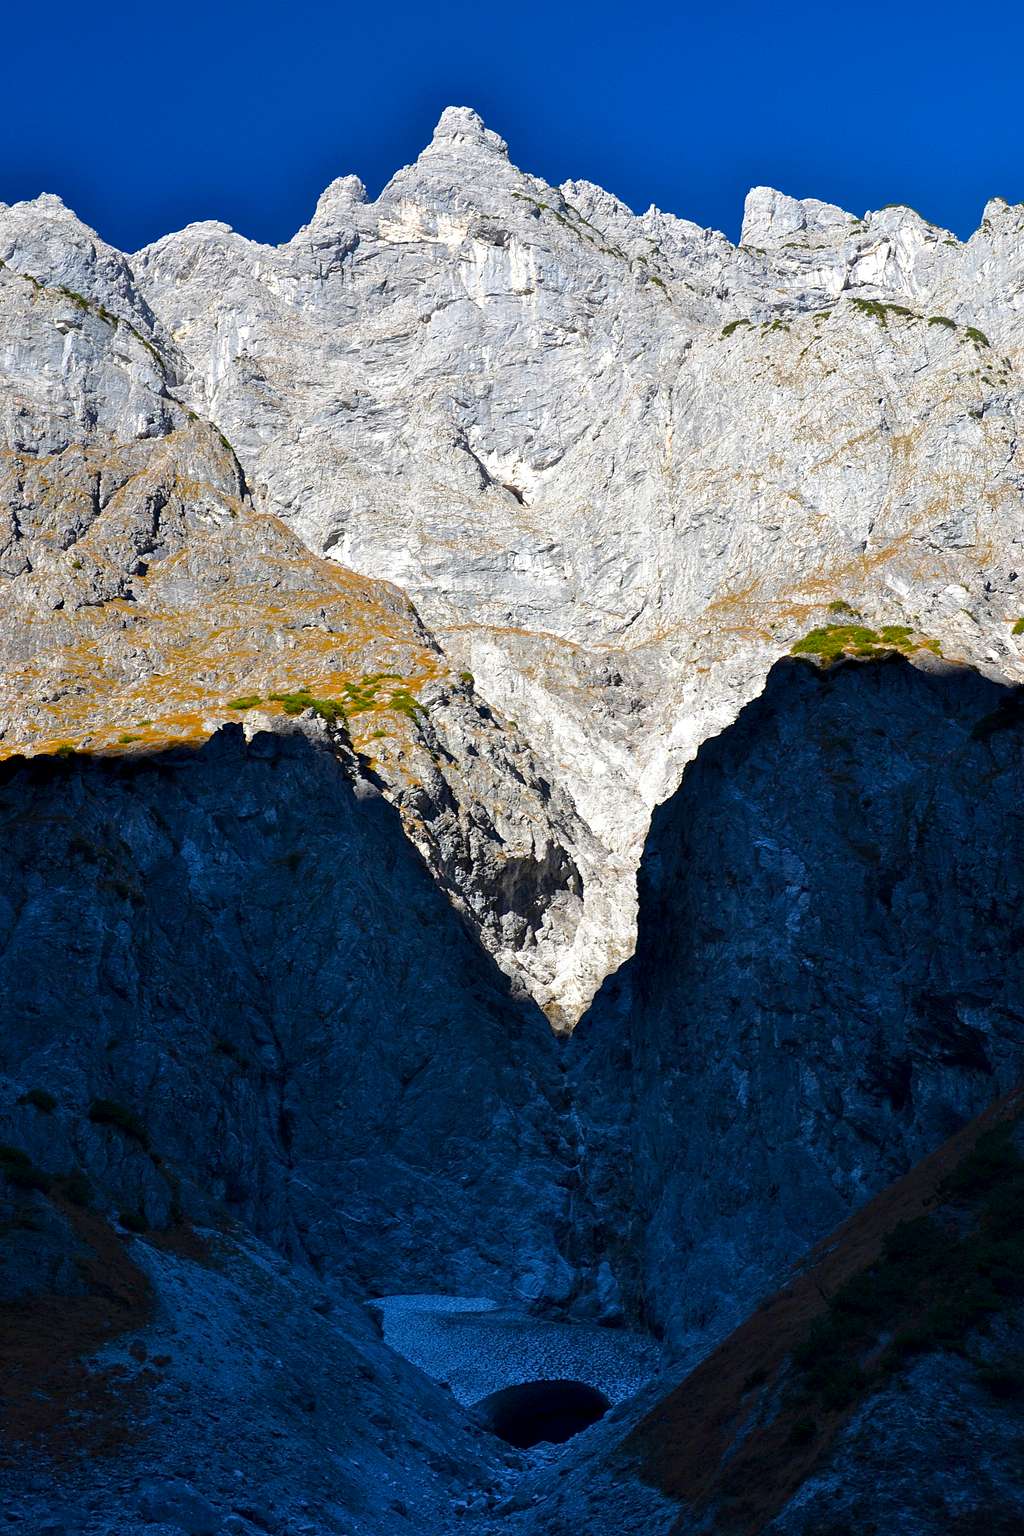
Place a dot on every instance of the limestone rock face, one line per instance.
(620, 464)
(713, 1448)
(827, 981)
(361, 598)
(148, 598)
(244, 987)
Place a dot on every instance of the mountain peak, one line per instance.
(770, 217)
(461, 125)
(336, 202)
(1001, 216)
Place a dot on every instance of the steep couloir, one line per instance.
(287, 872)
(619, 463)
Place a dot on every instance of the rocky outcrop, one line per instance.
(147, 600)
(361, 597)
(274, 1029)
(254, 1070)
(236, 947)
(827, 979)
(619, 463)
(201, 1386)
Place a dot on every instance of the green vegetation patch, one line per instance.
(1018, 627)
(375, 691)
(93, 307)
(576, 223)
(881, 312)
(247, 701)
(331, 710)
(89, 306)
(833, 640)
(830, 641)
(733, 326)
(944, 320)
(979, 338)
(403, 701)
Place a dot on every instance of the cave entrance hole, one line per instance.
(542, 1411)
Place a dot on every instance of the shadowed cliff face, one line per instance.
(252, 1008)
(623, 467)
(878, 1390)
(238, 948)
(828, 979)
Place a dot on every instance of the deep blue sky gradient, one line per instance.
(146, 116)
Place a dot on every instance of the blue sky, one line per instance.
(145, 116)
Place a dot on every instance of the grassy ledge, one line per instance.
(830, 641)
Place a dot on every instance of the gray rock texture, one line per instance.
(219, 942)
(361, 599)
(147, 597)
(620, 464)
(240, 1403)
(253, 1070)
(237, 1001)
(878, 1390)
(940, 1417)
(828, 979)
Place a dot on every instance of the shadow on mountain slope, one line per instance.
(828, 980)
(238, 990)
(881, 1389)
(236, 1000)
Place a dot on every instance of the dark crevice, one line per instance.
(536, 1412)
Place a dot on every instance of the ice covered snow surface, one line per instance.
(478, 1347)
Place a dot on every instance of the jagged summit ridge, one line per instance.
(619, 464)
(622, 466)
(770, 217)
(767, 212)
(461, 125)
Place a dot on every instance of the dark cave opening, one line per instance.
(542, 1411)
